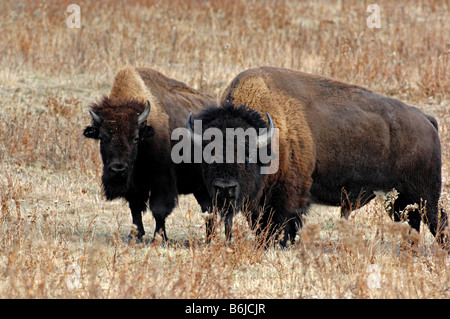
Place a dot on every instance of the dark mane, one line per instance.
(109, 107)
(119, 114)
(228, 109)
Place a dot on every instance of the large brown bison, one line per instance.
(336, 141)
(136, 157)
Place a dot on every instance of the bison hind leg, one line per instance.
(406, 208)
(354, 201)
(443, 230)
(400, 211)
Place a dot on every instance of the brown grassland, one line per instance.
(59, 238)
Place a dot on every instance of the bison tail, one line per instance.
(433, 121)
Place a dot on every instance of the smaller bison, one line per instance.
(335, 139)
(136, 157)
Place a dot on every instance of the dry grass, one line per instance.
(60, 239)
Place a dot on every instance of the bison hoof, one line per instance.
(207, 216)
(134, 239)
(158, 239)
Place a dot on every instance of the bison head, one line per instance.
(120, 125)
(232, 172)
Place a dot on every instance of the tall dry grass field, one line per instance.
(59, 238)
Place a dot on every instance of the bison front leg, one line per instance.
(209, 225)
(205, 201)
(160, 235)
(228, 226)
(137, 208)
(161, 205)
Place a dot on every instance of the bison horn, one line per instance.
(95, 117)
(197, 139)
(143, 116)
(266, 138)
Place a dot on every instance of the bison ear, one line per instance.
(91, 132)
(146, 132)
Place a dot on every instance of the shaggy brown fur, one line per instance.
(171, 100)
(138, 166)
(296, 160)
(339, 138)
(117, 114)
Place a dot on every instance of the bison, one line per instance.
(334, 139)
(136, 157)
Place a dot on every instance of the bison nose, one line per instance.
(118, 167)
(226, 188)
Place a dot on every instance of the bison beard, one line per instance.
(235, 187)
(115, 186)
